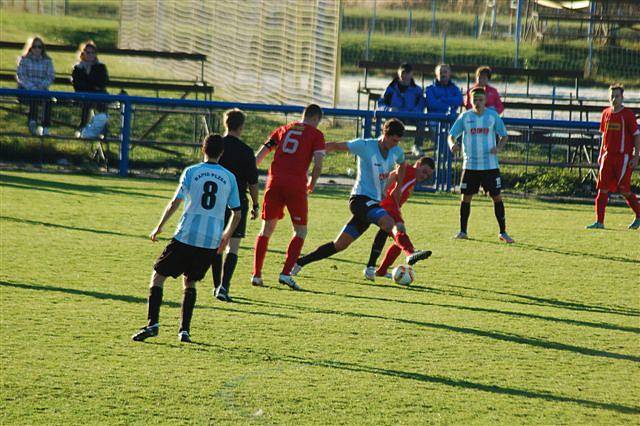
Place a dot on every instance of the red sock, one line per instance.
(389, 257)
(403, 241)
(293, 253)
(632, 201)
(601, 205)
(262, 242)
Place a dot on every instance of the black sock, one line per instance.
(465, 212)
(229, 266)
(216, 270)
(376, 248)
(498, 209)
(154, 302)
(188, 302)
(320, 253)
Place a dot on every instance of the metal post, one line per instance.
(366, 132)
(433, 17)
(371, 29)
(518, 32)
(444, 47)
(125, 138)
(592, 12)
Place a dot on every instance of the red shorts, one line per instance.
(615, 173)
(393, 210)
(280, 194)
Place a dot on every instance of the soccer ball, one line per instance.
(403, 274)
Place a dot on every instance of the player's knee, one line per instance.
(186, 283)
(300, 231)
(467, 198)
(157, 280)
(399, 227)
(497, 198)
(386, 224)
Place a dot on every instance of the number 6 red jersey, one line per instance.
(295, 144)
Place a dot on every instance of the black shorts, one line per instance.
(489, 179)
(241, 229)
(365, 211)
(183, 259)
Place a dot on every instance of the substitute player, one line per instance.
(207, 190)
(479, 127)
(620, 135)
(295, 145)
(377, 158)
(239, 159)
(421, 170)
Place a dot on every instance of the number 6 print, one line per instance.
(290, 144)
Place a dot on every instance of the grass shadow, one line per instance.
(461, 384)
(130, 299)
(71, 228)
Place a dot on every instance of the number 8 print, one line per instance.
(290, 144)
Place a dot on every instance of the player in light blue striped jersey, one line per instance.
(207, 189)
(480, 127)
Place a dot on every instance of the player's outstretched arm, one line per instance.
(262, 154)
(337, 146)
(166, 215)
(318, 158)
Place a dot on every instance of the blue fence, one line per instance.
(370, 121)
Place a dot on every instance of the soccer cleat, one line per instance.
(370, 273)
(183, 336)
(222, 295)
(296, 269)
(461, 236)
(288, 281)
(418, 255)
(635, 224)
(595, 225)
(145, 332)
(385, 275)
(257, 281)
(506, 238)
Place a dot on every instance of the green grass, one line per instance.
(541, 332)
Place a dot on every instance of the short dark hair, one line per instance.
(478, 90)
(617, 86)
(213, 145)
(406, 67)
(312, 110)
(234, 119)
(393, 127)
(483, 70)
(428, 161)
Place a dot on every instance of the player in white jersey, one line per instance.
(480, 127)
(207, 189)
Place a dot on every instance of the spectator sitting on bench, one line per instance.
(404, 95)
(90, 75)
(35, 72)
(483, 75)
(443, 96)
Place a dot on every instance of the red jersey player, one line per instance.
(295, 145)
(423, 169)
(617, 160)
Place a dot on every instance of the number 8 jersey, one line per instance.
(207, 189)
(295, 144)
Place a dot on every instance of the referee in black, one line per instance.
(240, 160)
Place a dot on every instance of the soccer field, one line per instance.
(543, 331)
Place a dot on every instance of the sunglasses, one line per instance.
(37, 46)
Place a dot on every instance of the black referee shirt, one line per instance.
(239, 159)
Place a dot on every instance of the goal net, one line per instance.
(266, 51)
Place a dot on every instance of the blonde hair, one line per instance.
(29, 45)
(83, 46)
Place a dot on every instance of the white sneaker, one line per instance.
(288, 281)
(295, 270)
(370, 273)
(257, 281)
(461, 236)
